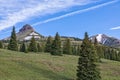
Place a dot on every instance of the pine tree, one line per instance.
(95, 42)
(23, 48)
(32, 46)
(56, 46)
(13, 41)
(87, 68)
(67, 49)
(48, 44)
(78, 50)
(1, 44)
(118, 56)
(40, 47)
(74, 50)
(98, 49)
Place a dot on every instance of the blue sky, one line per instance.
(68, 17)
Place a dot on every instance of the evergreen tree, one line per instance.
(95, 42)
(113, 54)
(32, 46)
(78, 50)
(74, 50)
(13, 41)
(67, 49)
(23, 48)
(118, 56)
(1, 44)
(48, 44)
(101, 51)
(40, 48)
(87, 68)
(56, 46)
(98, 49)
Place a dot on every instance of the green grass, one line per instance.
(43, 66)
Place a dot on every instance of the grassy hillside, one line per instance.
(43, 66)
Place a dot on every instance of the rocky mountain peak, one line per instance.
(106, 40)
(26, 28)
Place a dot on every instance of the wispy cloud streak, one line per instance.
(115, 28)
(75, 12)
(15, 11)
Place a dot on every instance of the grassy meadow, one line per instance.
(43, 66)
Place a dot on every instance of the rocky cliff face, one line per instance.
(25, 28)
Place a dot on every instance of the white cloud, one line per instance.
(15, 11)
(75, 12)
(115, 28)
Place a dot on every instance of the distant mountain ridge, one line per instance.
(106, 40)
(26, 33)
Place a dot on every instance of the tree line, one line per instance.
(55, 46)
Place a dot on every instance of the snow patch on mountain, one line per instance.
(99, 37)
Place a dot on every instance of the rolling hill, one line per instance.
(43, 66)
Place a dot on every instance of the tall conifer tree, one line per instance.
(33, 45)
(67, 49)
(1, 44)
(40, 47)
(13, 41)
(56, 46)
(23, 47)
(98, 49)
(48, 44)
(87, 68)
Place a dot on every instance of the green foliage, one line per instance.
(78, 50)
(67, 49)
(33, 45)
(48, 44)
(13, 41)
(87, 68)
(99, 49)
(1, 44)
(40, 47)
(23, 48)
(74, 50)
(56, 46)
(111, 53)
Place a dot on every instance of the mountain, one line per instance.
(26, 33)
(106, 40)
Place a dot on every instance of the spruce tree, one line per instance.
(56, 46)
(48, 44)
(98, 49)
(87, 68)
(1, 44)
(23, 47)
(40, 47)
(118, 56)
(13, 41)
(32, 46)
(74, 50)
(67, 49)
(78, 50)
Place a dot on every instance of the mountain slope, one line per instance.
(106, 40)
(26, 33)
(41, 66)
